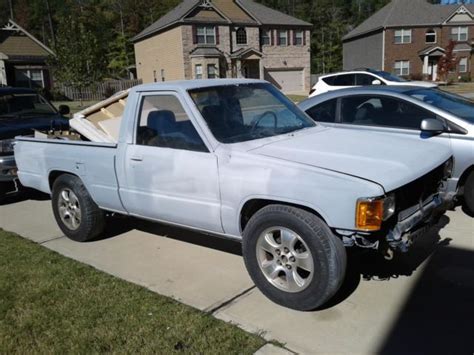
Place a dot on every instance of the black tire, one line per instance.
(469, 194)
(92, 221)
(327, 251)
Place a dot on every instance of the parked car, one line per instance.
(362, 77)
(408, 111)
(237, 158)
(21, 112)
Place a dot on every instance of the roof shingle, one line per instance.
(264, 15)
(405, 13)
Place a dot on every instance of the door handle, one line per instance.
(137, 158)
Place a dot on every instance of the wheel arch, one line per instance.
(254, 204)
(464, 176)
(54, 174)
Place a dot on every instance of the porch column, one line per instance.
(239, 68)
(262, 71)
(426, 65)
(3, 73)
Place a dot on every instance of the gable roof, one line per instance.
(406, 13)
(233, 11)
(23, 45)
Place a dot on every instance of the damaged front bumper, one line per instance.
(416, 220)
(410, 224)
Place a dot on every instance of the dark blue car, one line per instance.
(22, 111)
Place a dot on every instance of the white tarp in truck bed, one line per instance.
(101, 122)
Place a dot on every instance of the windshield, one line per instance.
(22, 105)
(389, 77)
(238, 113)
(455, 104)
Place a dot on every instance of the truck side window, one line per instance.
(164, 123)
(324, 112)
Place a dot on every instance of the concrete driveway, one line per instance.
(422, 302)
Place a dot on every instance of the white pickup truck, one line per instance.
(236, 158)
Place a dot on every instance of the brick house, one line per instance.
(408, 37)
(23, 58)
(226, 39)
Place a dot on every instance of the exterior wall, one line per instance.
(364, 52)
(410, 51)
(171, 51)
(289, 57)
(253, 38)
(188, 45)
(163, 51)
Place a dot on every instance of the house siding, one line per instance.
(163, 51)
(364, 52)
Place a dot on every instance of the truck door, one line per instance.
(169, 173)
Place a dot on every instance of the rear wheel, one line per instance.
(76, 213)
(293, 257)
(469, 193)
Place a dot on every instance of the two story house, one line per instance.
(202, 39)
(23, 58)
(408, 37)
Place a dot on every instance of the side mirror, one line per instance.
(430, 125)
(64, 109)
(376, 82)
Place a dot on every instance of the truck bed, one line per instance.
(94, 162)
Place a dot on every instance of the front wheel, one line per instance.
(293, 257)
(76, 213)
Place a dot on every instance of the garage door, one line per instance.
(287, 80)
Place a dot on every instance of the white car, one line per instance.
(362, 77)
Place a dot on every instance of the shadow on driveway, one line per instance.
(438, 315)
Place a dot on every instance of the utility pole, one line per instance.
(10, 3)
(50, 21)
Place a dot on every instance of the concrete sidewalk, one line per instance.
(206, 272)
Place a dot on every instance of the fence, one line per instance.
(98, 91)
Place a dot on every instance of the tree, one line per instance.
(447, 62)
(79, 60)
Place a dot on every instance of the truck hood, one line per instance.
(388, 160)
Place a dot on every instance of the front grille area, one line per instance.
(416, 191)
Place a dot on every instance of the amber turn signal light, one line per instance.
(369, 214)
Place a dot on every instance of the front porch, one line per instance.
(247, 63)
(430, 58)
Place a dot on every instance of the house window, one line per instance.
(266, 37)
(282, 37)
(198, 71)
(463, 65)
(206, 34)
(298, 38)
(241, 35)
(459, 34)
(32, 78)
(402, 67)
(430, 36)
(402, 36)
(211, 71)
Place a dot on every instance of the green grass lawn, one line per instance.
(459, 88)
(52, 304)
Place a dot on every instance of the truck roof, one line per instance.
(192, 84)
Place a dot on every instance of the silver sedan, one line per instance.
(431, 114)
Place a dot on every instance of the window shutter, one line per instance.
(195, 40)
(272, 37)
(217, 34)
(304, 38)
(294, 37)
(288, 38)
(277, 32)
